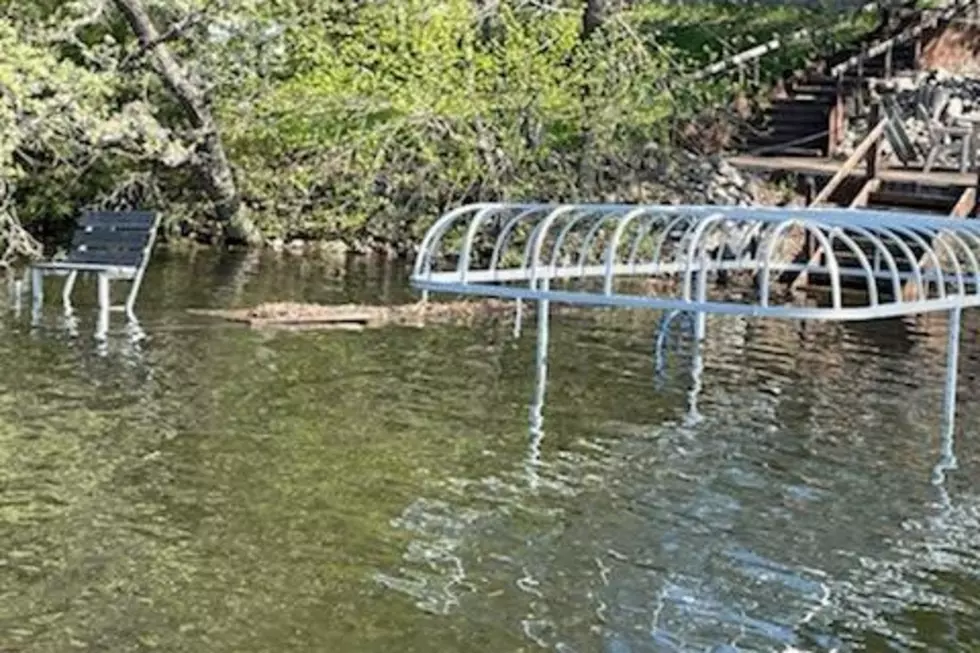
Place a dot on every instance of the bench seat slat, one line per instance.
(69, 266)
(108, 238)
(131, 219)
(123, 257)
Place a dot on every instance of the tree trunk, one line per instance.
(213, 161)
(593, 17)
(489, 19)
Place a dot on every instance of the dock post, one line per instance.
(834, 118)
(860, 79)
(37, 295)
(518, 317)
(700, 317)
(536, 430)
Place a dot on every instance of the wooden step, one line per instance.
(778, 136)
(772, 146)
(821, 281)
(847, 81)
(789, 151)
(799, 117)
(847, 258)
(795, 104)
(920, 188)
(814, 93)
(789, 125)
(911, 201)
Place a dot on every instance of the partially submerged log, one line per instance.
(290, 315)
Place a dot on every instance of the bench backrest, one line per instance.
(121, 238)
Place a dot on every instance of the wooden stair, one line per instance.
(910, 198)
(809, 119)
(915, 198)
(798, 124)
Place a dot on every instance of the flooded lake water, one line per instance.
(216, 489)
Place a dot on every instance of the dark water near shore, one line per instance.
(214, 489)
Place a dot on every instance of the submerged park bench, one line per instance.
(112, 245)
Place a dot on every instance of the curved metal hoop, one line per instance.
(592, 253)
(663, 333)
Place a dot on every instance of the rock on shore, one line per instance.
(690, 178)
(928, 102)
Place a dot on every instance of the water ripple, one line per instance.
(749, 531)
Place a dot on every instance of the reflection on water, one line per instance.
(207, 488)
(710, 567)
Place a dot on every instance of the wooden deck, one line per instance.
(829, 167)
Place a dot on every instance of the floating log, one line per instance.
(355, 317)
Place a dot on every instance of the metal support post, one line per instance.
(541, 365)
(37, 292)
(102, 327)
(68, 289)
(952, 359)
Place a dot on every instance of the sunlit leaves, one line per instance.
(356, 119)
(409, 107)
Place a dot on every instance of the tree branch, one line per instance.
(173, 33)
(70, 31)
(193, 101)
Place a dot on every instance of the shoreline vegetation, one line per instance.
(326, 122)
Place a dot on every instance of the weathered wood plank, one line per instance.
(829, 167)
(965, 204)
(109, 257)
(861, 199)
(356, 317)
(851, 163)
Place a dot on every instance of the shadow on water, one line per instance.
(210, 488)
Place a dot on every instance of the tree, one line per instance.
(337, 120)
(593, 17)
(211, 158)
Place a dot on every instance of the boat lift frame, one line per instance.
(595, 254)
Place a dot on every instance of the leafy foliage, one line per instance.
(358, 120)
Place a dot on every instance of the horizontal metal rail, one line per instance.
(747, 56)
(758, 51)
(930, 19)
(847, 314)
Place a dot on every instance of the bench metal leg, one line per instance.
(134, 290)
(68, 289)
(102, 327)
(37, 293)
(131, 299)
(71, 321)
(16, 294)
